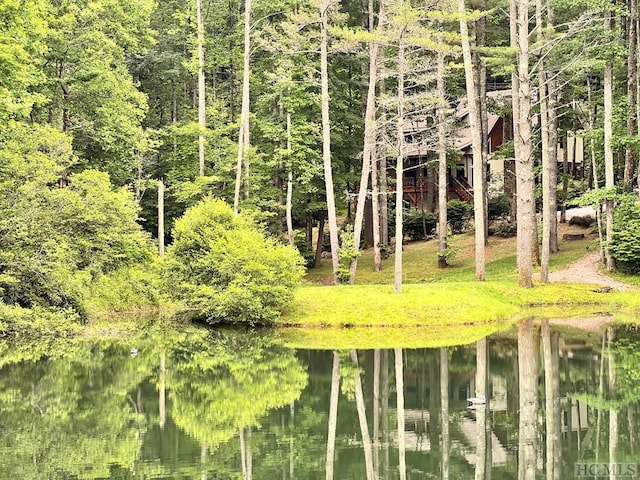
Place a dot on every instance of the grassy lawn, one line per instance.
(435, 303)
(420, 262)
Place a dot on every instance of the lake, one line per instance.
(190, 403)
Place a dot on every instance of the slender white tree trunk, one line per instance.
(545, 132)
(243, 135)
(609, 180)
(442, 159)
(369, 143)
(326, 137)
(399, 166)
(160, 218)
(375, 206)
(201, 86)
(632, 58)
(476, 144)
(289, 184)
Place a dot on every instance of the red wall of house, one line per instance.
(497, 135)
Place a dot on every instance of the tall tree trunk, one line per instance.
(399, 165)
(375, 206)
(481, 65)
(201, 86)
(326, 136)
(369, 141)
(609, 180)
(243, 135)
(362, 417)
(552, 88)
(565, 178)
(476, 144)
(444, 411)
(289, 184)
(319, 243)
(523, 149)
(402, 466)
(632, 79)
(594, 170)
(442, 158)
(528, 375)
(333, 415)
(160, 218)
(548, 215)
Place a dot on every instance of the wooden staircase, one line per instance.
(462, 189)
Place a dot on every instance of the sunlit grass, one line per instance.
(436, 297)
(445, 304)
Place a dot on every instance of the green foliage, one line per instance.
(346, 255)
(504, 228)
(499, 207)
(458, 214)
(450, 251)
(135, 287)
(225, 269)
(54, 242)
(18, 322)
(625, 243)
(418, 224)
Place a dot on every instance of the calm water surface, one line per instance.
(229, 405)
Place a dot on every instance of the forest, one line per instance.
(233, 132)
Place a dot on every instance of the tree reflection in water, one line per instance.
(195, 404)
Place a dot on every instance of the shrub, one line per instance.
(504, 228)
(226, 270)
(585, 221)
(625, 243)
(499, 207)
(458, 214)
(418, 225)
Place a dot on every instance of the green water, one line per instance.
(195, 404)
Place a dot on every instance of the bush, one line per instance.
(458, 214)
(418, 225)
(18, 322)
(585, 221)
(625, 243)
(225, 269)
(504, 228)
(67, 237)
(499, 207)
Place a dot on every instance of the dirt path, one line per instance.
(586, 270)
